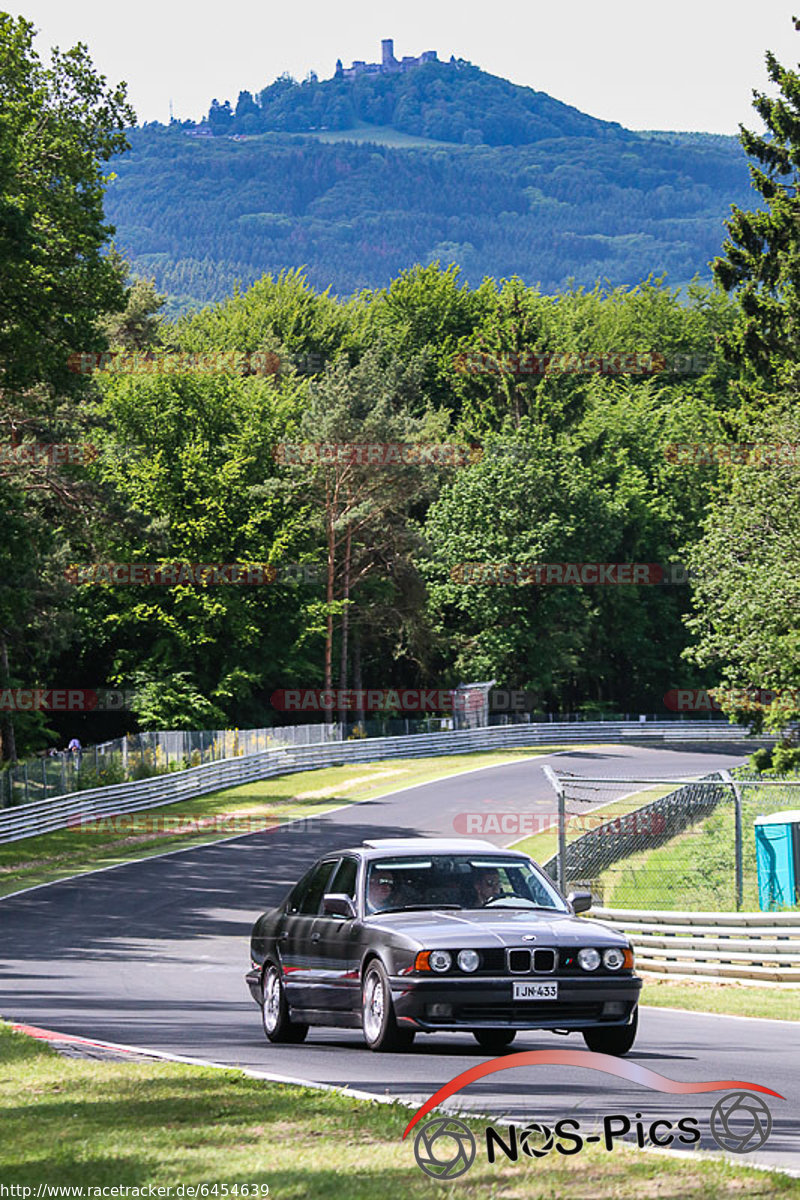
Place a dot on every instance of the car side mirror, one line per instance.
(580, 901)
(337, 904)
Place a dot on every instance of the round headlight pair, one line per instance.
(590, 959)
(442, 960)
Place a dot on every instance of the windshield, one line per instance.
(461, 881)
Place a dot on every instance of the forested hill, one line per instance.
(356, 179)
(451, 102)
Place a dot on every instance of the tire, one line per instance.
(275, 1010)
(494, 1040)
(381, 1031)
(616, 1041)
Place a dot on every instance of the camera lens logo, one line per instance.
(536, 1140)
(444, 1148)
(740, 1122)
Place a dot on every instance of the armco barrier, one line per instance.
(44, 816)
(753, 948)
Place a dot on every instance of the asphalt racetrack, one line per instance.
(153, 954)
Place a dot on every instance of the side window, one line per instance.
(297, 893)
(312, 896)
(344, 881)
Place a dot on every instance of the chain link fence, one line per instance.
(684, 845)
(142, 755)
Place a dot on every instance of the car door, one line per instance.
(298, 951)
(338, 944)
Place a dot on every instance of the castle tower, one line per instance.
(387, 47)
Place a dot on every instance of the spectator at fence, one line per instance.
(75, 751)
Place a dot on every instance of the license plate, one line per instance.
(535, 991)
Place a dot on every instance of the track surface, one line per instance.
(153, 954)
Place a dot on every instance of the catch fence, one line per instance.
(659, 843)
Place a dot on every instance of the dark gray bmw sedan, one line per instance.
(422, 935)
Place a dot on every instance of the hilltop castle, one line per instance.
(387, 65)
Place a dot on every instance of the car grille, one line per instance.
(525, 961)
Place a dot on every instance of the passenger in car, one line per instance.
(486, 885)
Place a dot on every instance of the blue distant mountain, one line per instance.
(358, 176)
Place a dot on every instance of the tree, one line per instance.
(761, 262)
(746, 591)
(58, 124)
(138, 325)
(193, 488)
(363, 507)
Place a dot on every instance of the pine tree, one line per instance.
(762, 253)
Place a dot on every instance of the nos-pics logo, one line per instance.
(445, 1148)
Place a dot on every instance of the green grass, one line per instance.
(66, 852)
(730, 997)
(72, 1122)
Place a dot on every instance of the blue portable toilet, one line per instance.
(778, 860)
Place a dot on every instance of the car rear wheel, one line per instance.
(617, 1040)
(494, 1040)
(381, 1031)
(275, 1011)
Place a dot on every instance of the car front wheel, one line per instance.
(381, 1031)
(494, 1040)
(275, 1011)
(617, 1040)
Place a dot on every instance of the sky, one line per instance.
(688, 65)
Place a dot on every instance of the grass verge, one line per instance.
(71, 1122)
(731, 999)
(53, 856)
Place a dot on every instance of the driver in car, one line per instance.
(487, 885)
(381, 893)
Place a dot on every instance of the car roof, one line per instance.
(402, 847)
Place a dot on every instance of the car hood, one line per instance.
(499, 927)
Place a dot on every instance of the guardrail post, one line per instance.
(737, 836)
(562, 828)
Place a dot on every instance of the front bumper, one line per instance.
(439, 1004)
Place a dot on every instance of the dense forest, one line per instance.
(203, 429)
(503, 181)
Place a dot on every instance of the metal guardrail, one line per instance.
(753, 948)
(45, 816)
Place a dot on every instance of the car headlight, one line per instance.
(440, 960)
(589, 958)
(468, 960)
(614, 958)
